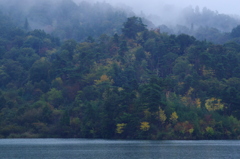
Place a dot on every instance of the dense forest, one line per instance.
(134, 83)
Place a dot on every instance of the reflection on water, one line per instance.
(116, 149)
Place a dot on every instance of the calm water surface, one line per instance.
(116, 149)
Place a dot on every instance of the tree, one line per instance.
(162, 116)
(185, 41)
(236, 32)
(140, 54)
(174, 117)
(55, 97)
(70, 46)
(213, 104)
(120, 128)
(151, 95)
(132, 27)
(40, 70)
(145, 126)
(4, 76)
(2, 101)
(26, 25)
(65, 120)
(123, 48)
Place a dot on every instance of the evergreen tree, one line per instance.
(26, 25)
(132, 27)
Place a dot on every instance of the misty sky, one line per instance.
(152, 6)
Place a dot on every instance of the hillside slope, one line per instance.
(140, 84)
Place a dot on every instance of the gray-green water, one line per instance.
(116, 149)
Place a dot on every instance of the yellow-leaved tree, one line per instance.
(210, 131)
(145, 126)
(198, 103)
(120, 128)
(213, 104)
(104, 78)
(174, 117)
(162, 116)
(208, 72)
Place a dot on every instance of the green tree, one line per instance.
(55, 97)
(40, 70)
(140, 54)
(2, 100)
(70, 46)
(132, 27)
(236, 32)
(185, 41)
(151, 95)
(26, 25)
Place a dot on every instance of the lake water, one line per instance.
(117, 149)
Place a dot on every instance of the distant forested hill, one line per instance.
(204, 24)
(141, 84)
(66, 19)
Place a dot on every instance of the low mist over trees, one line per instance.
(66, 19)
(69, 20)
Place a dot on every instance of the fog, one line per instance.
(153, 6)
(172, 16)
(159, 7)
(167, 12)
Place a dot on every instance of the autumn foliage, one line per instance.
(141, 84)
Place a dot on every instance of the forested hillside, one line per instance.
(139, 84)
